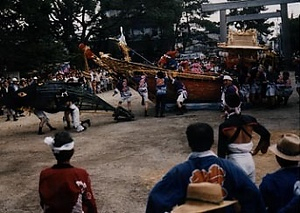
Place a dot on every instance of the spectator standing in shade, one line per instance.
(271, 77)
(284, 88)
(6, 92)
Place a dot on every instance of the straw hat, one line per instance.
(202, 197)
(288, 147)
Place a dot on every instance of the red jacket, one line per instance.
(66, 189)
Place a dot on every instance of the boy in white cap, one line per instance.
(228, 87)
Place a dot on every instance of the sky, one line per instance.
(292, 8)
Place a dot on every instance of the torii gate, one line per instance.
(242, 4)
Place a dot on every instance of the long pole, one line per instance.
(142, 57)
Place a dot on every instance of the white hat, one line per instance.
(35, 78)
(288, 147)
(14, 79)
(227, 77)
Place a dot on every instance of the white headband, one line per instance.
(50, 141)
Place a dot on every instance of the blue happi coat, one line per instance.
(171, 190)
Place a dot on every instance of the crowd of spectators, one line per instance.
(96, 81)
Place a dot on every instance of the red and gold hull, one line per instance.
(201, 88)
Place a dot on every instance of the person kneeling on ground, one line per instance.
(73, 110)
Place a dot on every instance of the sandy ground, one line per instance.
(124, 159)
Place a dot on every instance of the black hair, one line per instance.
(285, 75)
(60, 139)
(160, 74)
(63, 156)
(232, 100)
(200, 136)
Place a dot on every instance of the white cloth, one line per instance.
(144, 95)
(182, 96)
(143, 89)
(80, 128)
(50, 141)
(245, 90)
(76, 118)
(271, 90)
(202, 154)
(75, 115)
(241, 156)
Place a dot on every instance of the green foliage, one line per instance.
(35, 33)
(193, 23)
(25, 38)
(140, 15)
(260, 25)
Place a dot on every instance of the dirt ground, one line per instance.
(124, 159)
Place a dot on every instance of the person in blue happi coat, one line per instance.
(203, 165)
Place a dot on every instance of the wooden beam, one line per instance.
(242, 4)
(252, 16)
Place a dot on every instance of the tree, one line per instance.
(260, 25)
(35, 33)
(73, 22)
(191, 22)
(25, 38)
(146, 23)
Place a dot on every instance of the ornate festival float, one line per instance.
(242, 47)
(202, 88)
